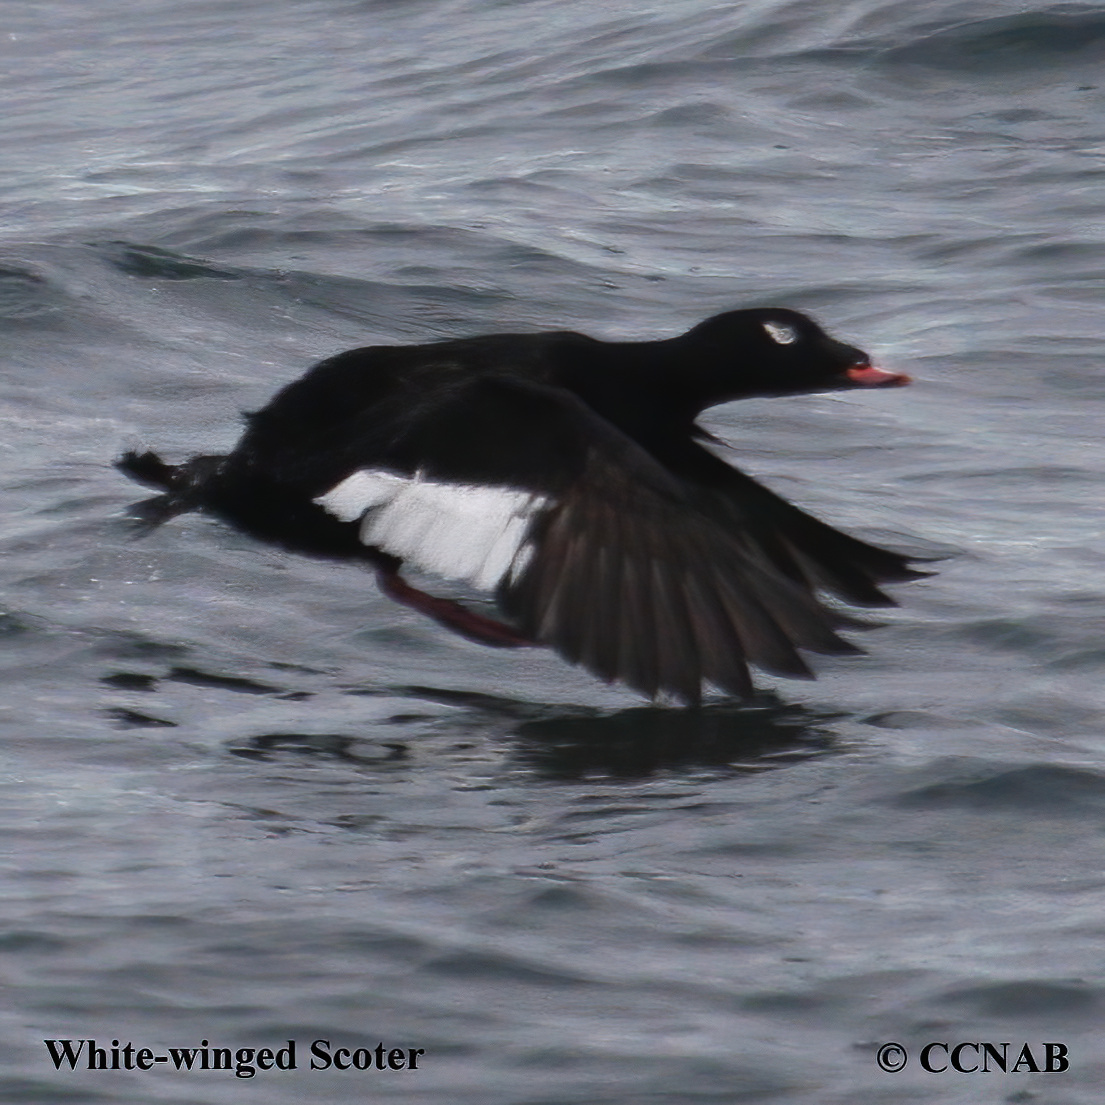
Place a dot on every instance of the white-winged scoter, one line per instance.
(566, 476)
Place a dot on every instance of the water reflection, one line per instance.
(566, 743)
(537, 739)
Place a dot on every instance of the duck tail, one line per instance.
(148, 469)
(183, 487)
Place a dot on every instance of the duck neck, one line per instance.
(654, 387)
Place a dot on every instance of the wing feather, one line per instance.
(662, 570)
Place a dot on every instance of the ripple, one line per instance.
(1041, 788)
(492, 967)
(1035, 998)
(153, 263)
(1007, 43)
(26, 295)
(198, 678)
(125, 718)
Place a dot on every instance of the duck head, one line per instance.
(777, 351)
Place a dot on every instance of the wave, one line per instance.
(27, 295)
(1008, 43)
(1046, 789)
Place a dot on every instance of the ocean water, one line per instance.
(247, 800)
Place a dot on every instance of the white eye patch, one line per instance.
(781, 332)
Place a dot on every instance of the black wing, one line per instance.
(633, 570)
(802, 547)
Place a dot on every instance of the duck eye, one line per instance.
(781, 332)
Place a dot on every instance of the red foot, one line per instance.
(485, 631)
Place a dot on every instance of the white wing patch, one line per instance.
(460, 531)
(360, 492)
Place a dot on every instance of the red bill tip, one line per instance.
(868, 376)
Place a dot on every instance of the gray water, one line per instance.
(248, 800)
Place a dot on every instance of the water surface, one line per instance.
(249, 800)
